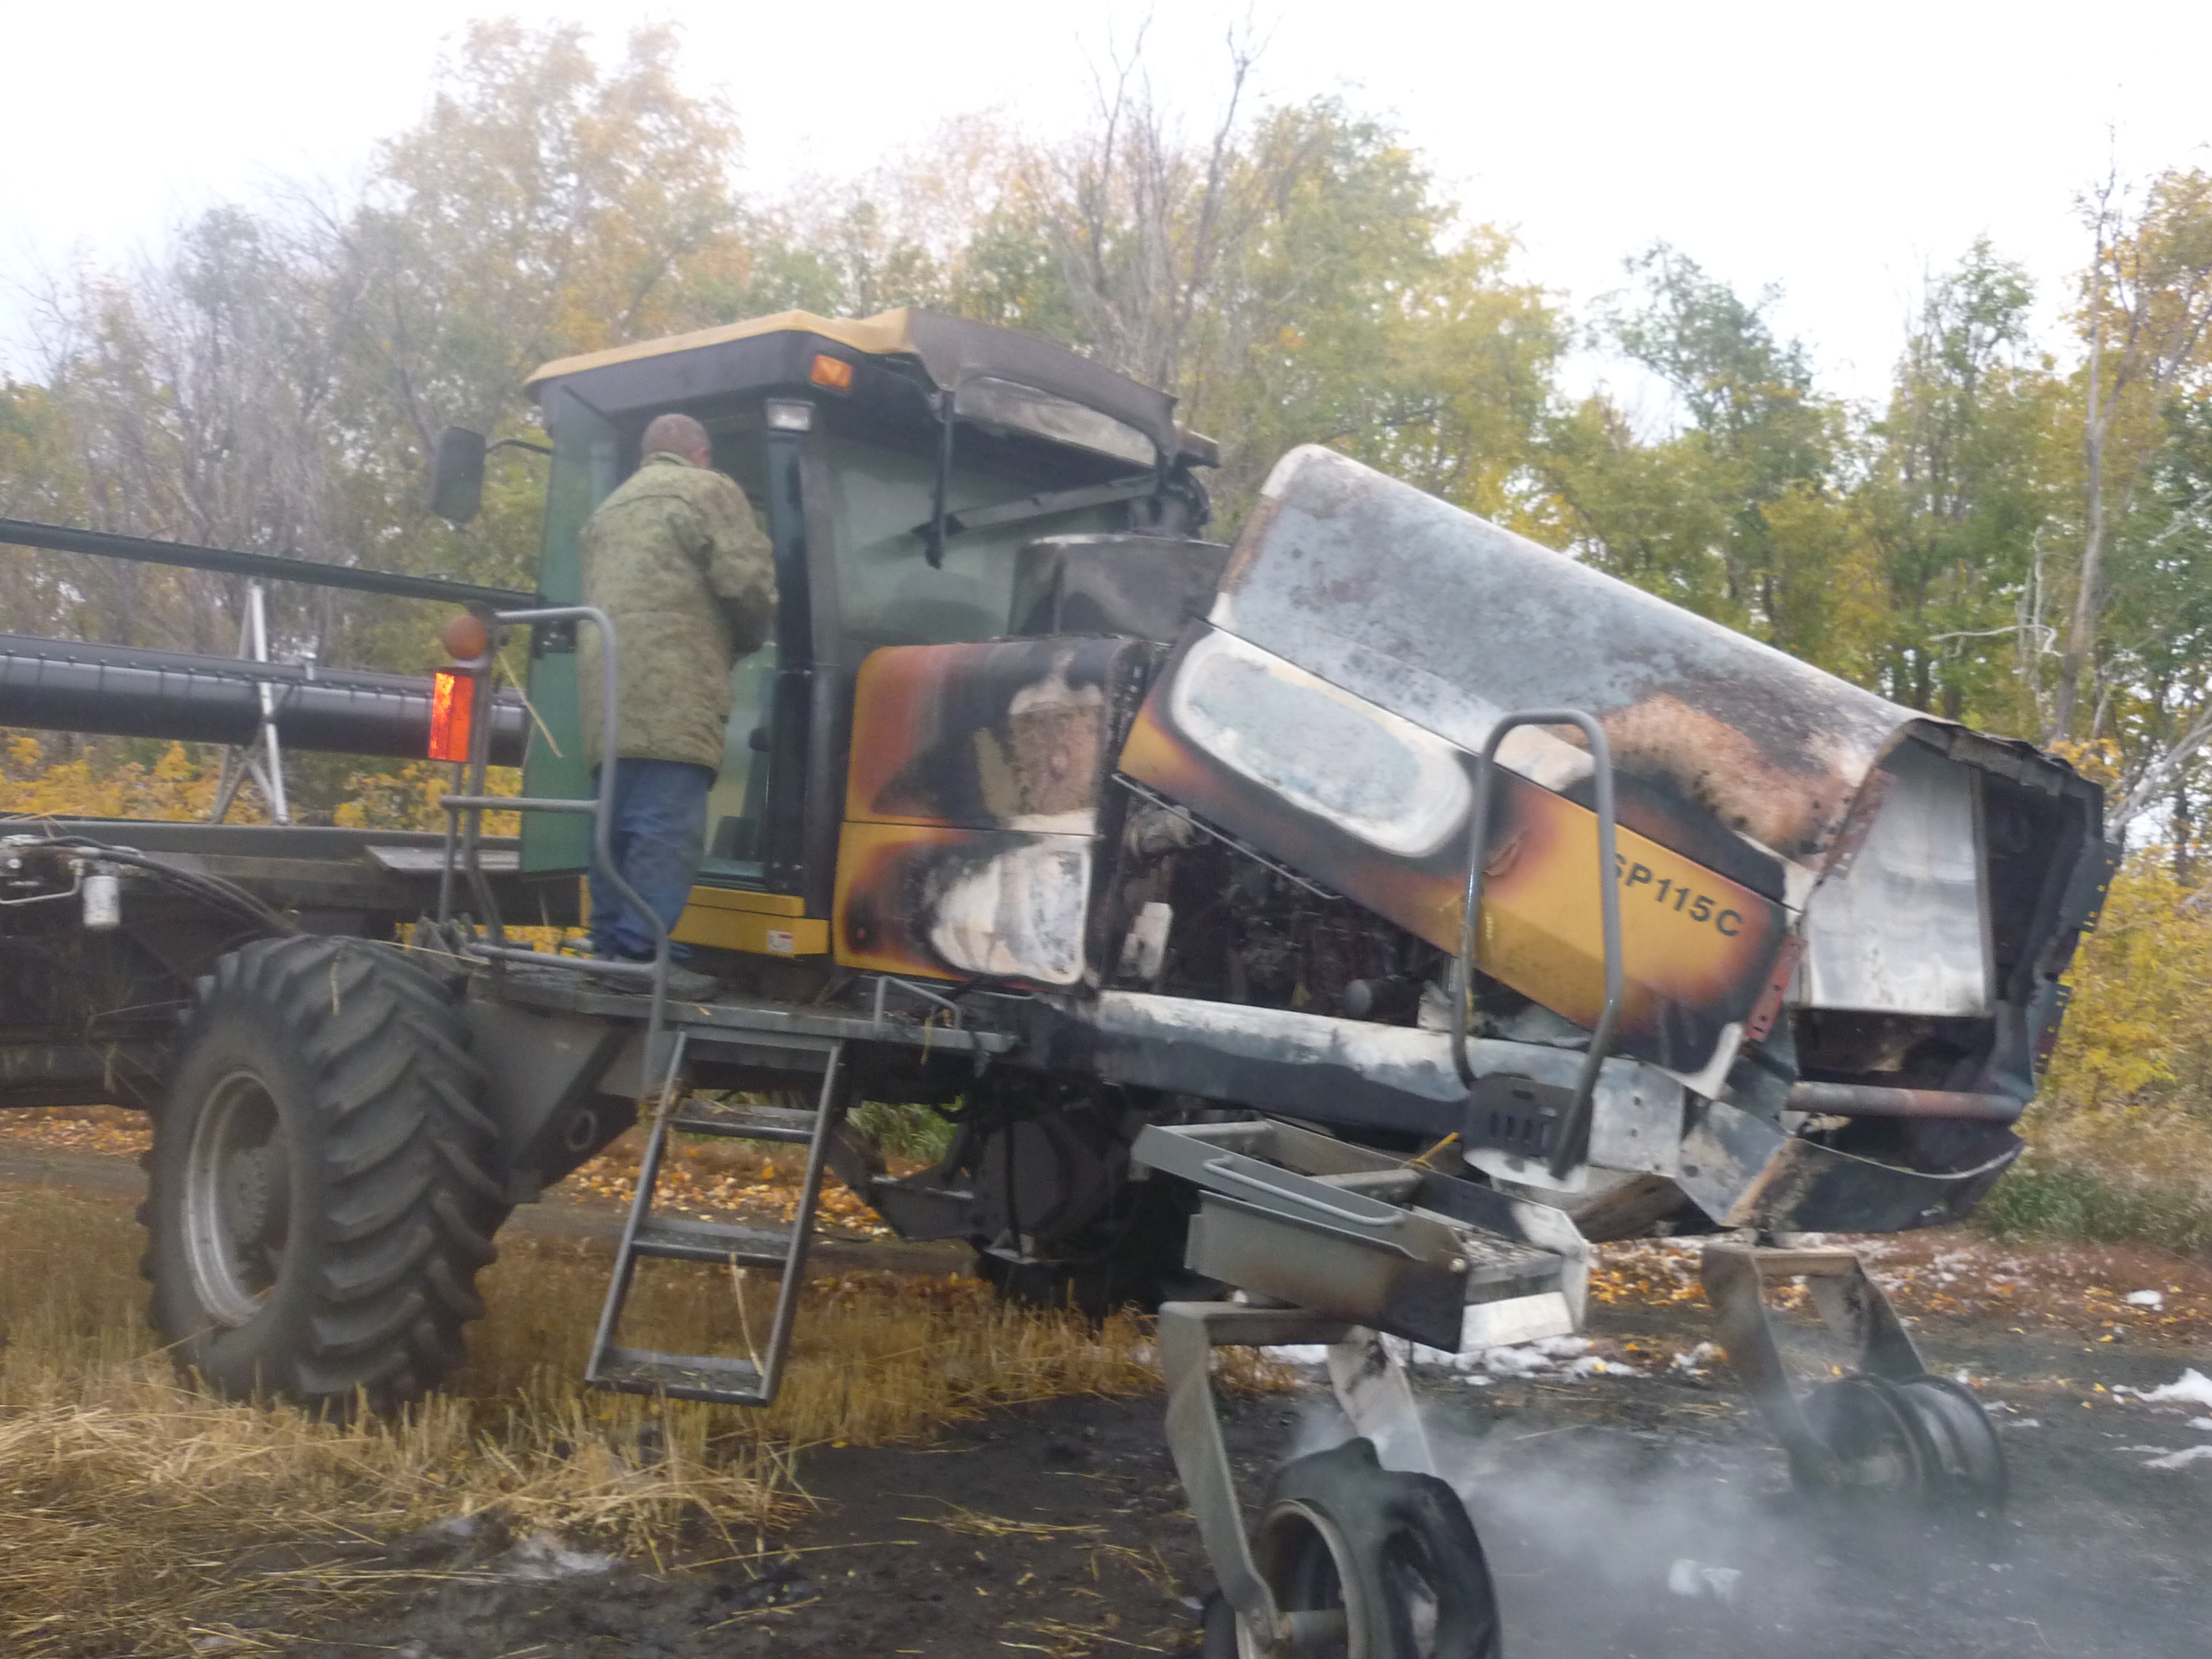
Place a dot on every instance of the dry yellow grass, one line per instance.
(137, 1516)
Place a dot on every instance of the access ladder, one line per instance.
(750, 1379)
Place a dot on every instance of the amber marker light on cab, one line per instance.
(832, 371)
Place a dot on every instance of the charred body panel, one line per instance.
(1715, 738)
(1014, 734)
(949, 904)
(1451, 622)
(1152, 587)
(974, 801)
(1745, 1171)
(1377, 807)
(1936, 879)
(1903, 924)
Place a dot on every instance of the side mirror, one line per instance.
(457, 475)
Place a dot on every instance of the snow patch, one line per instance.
(1514, 1362)
(2186, 1455)
(1567, 1357)
(1697, 1581)
(1591, 1365)
(2191, 1388)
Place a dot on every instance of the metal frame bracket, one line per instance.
(1850, 1304)
(1371, 1386)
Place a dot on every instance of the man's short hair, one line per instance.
(678, 434)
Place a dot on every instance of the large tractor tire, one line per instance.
(321, 1196)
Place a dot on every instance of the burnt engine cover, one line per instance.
(975, 804)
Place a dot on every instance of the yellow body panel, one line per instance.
(869, 857)
(1688, 935)
(878, 336)
(741, 898)
(766, 924)
(1696, 947)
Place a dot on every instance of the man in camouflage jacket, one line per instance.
(674, 557)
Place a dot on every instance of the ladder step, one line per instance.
(681, 1375)
(788, 1124)
(713, 1379)
(712, 1241)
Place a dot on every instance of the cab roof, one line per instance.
(948, 350)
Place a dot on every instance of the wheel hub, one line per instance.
(253, 1196)
(237, 1180)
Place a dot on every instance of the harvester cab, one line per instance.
(923, 482)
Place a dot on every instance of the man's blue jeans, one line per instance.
(659, 831)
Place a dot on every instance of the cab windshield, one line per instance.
(887, 593)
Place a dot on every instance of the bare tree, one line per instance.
(197, 389)
(2149, 314)
(1150, 219)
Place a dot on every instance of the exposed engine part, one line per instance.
(1233, 926)
(1145, 951)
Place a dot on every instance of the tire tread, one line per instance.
(410, 1198)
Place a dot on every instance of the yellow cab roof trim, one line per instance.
(882, 335)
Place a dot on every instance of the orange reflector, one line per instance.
(452, 712)
(832, 371)
(466, 638)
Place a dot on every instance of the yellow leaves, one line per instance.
(2099, 761)
(176, 786)
(564, 204)
(406, 798)
(2141, 1019)
(1826, 603)
(180, 782)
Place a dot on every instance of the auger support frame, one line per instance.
(1371, 1386)
(1940, 1444)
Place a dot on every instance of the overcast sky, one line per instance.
(1837, 150)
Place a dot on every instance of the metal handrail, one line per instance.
(469, 806)
(1574, 1129)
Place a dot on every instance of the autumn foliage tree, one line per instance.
(2013, 538)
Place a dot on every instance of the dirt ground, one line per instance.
(1059, 1529)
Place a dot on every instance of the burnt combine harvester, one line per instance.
(1324, 939)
